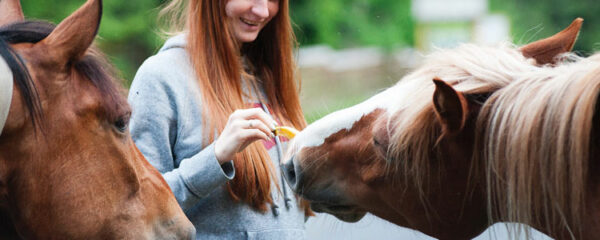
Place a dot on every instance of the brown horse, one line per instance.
(68, 166)
(415, 161)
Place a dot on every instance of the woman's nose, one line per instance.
(261, 8)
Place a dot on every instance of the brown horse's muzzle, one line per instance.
(177, 228)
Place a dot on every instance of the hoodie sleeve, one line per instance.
(158, 99)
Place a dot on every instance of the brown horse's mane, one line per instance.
(93, 66)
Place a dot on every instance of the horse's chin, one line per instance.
(351, 218)
(345, 213)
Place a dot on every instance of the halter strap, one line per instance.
(6, 90)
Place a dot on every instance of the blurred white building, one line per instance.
(446, 23)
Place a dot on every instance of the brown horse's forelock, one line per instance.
(92, 65)
(17, 33)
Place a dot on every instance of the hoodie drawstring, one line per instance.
(286, 198)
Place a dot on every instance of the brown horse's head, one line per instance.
(406, 154)
(68, 166)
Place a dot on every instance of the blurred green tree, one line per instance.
(351, 23)
(535, 19)
(127, 31)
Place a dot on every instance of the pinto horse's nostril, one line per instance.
(291, 174)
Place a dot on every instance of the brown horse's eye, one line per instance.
(122, 123)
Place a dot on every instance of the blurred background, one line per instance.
(362, 45)
(351, 49)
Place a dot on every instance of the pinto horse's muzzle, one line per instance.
(6, 89)
(293, 175)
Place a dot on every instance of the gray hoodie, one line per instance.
(166, 125)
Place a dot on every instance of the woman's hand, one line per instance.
(243, 127)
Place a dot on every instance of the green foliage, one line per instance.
(127, 31)
(351, 23)
(536, 19)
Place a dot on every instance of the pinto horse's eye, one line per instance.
(380, 149)
(380, 144)
(122, 123)
(376, 143)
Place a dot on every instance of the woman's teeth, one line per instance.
(251, 23)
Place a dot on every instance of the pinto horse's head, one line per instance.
(405, 154)
(68, 166)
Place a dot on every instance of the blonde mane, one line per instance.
(536, 140)
(470, 69)
(535, 131)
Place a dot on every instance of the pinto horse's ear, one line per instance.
(544, 51)
(10, 11)
(74, 35)
(450, 107)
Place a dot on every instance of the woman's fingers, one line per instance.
(255, 113)
(243, 127)
(257, 124)
(228, 144)
(251, 135)
(248, 136)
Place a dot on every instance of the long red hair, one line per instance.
(217, 60)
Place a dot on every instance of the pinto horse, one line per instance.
(411, 154)
(68, 166)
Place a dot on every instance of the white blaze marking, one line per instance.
(391, 100)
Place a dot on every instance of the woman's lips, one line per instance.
(250, 23)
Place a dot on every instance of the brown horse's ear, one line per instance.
(74, 35)
(450, 107)
(544, 51)
(10, 11)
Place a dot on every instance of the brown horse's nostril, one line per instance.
(192, 233)
(292, 175)
(179, 228)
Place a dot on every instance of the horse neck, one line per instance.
(461, 205)
(595, 144)
(450, 202)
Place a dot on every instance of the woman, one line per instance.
(203, 110)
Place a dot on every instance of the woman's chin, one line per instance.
(246, 37)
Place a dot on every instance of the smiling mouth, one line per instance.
(251, 23)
